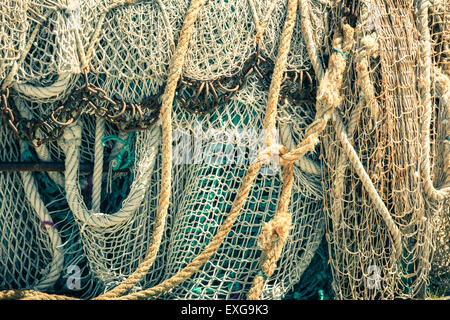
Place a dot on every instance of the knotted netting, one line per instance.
(30, 256)
(381, 222)
(181, 142)
(124, 64)
(439, 22)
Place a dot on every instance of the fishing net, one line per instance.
(179, 154)
(30, 249)
(208, 193)
(439, 32)
(387, 119)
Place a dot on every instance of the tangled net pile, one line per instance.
(224, 149)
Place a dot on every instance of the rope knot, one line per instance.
(275, 231)
(272, 239)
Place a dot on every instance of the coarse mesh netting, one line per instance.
(206, 191)
(94, 75)
(30, 257)
(384, 114)
(439, 23)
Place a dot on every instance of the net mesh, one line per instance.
(384, 124)
(81, 233)
(439, 29)
(26, 247)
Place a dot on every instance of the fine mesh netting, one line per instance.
(231, 149)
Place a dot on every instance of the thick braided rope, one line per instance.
(311, 138)
(56, 265)
(278, 72)
(367, 99)
(39, 93)
(330, 99)
(216, 242)
(273, 236)
(279, 226)
(307, 33)
(426, 101)
(443, 91)
(30, 295)
(98, 164)
(175, 70)
(47, 93)
(269, 126)
(71, 145)
(328, 96)
(223, 231)
(336, 76)
(305, 164)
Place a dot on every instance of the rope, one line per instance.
(327, 101)
(367, 183)
(39, 93)
(30, 295)
(305, 164)
(273, 237)
(32, 195)
(56, 266)
(367, 100)
(328, 96)
(98, 164)
(269, 126)
(307, 33)
(426, 101)
(175, 70)
(278, 73)
(275, 232)
(333, 79)
(215, 243)
(72, 143)
(47, 93)
(282, 219)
